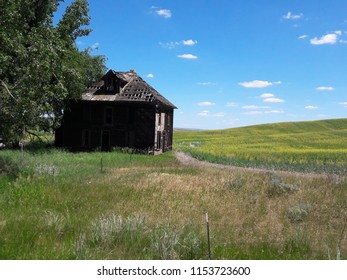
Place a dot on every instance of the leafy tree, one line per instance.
(40, 65)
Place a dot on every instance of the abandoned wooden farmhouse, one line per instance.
(120, 110)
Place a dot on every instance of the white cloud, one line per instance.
(169, 45)
(253, 113)
(344, 104)
(310, 107)
(187, 56)
(265, 112)
(95, 46)
(206, 113)
(231, 104)
(258, 84)
(203, 113)
(189, 42)
(289, 15)
(164, 13)
(325, 88)
(206, 103)
(218, 115)
(330, 38)
(267, 95)
(252, 107)
(270, 98)
(274, 112)
(302, 36)
(273, 100)
(150, 75)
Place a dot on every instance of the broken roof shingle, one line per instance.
(134, 89)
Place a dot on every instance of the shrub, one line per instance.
(235, 184)
(298, 212)
(168, 243)
(111, 228)
(161, 242)
(55, 221)
(278, 187)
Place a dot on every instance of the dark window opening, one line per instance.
(159, 119)
(112, 85)
(109, 85)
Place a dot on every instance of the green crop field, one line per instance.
(317, 146)
(60, 205)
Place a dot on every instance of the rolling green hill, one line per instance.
(311, 146)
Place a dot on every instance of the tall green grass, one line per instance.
(60, 205)
(318, 146)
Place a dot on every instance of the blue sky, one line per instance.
(230, 63)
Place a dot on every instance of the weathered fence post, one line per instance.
(21, 143)
(208, 237)
(53, 174)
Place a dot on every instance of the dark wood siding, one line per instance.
(91, 125)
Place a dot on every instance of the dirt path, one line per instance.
(188, 160)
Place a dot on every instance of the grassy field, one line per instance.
(318, 146)
(60, 205)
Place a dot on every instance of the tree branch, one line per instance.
(4, 84)
(35, 135)
(59, 82)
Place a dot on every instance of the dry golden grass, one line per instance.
(252, 214)
(242, 208)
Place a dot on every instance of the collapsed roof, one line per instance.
(124, 87)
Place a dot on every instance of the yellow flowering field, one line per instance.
(316, 146)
